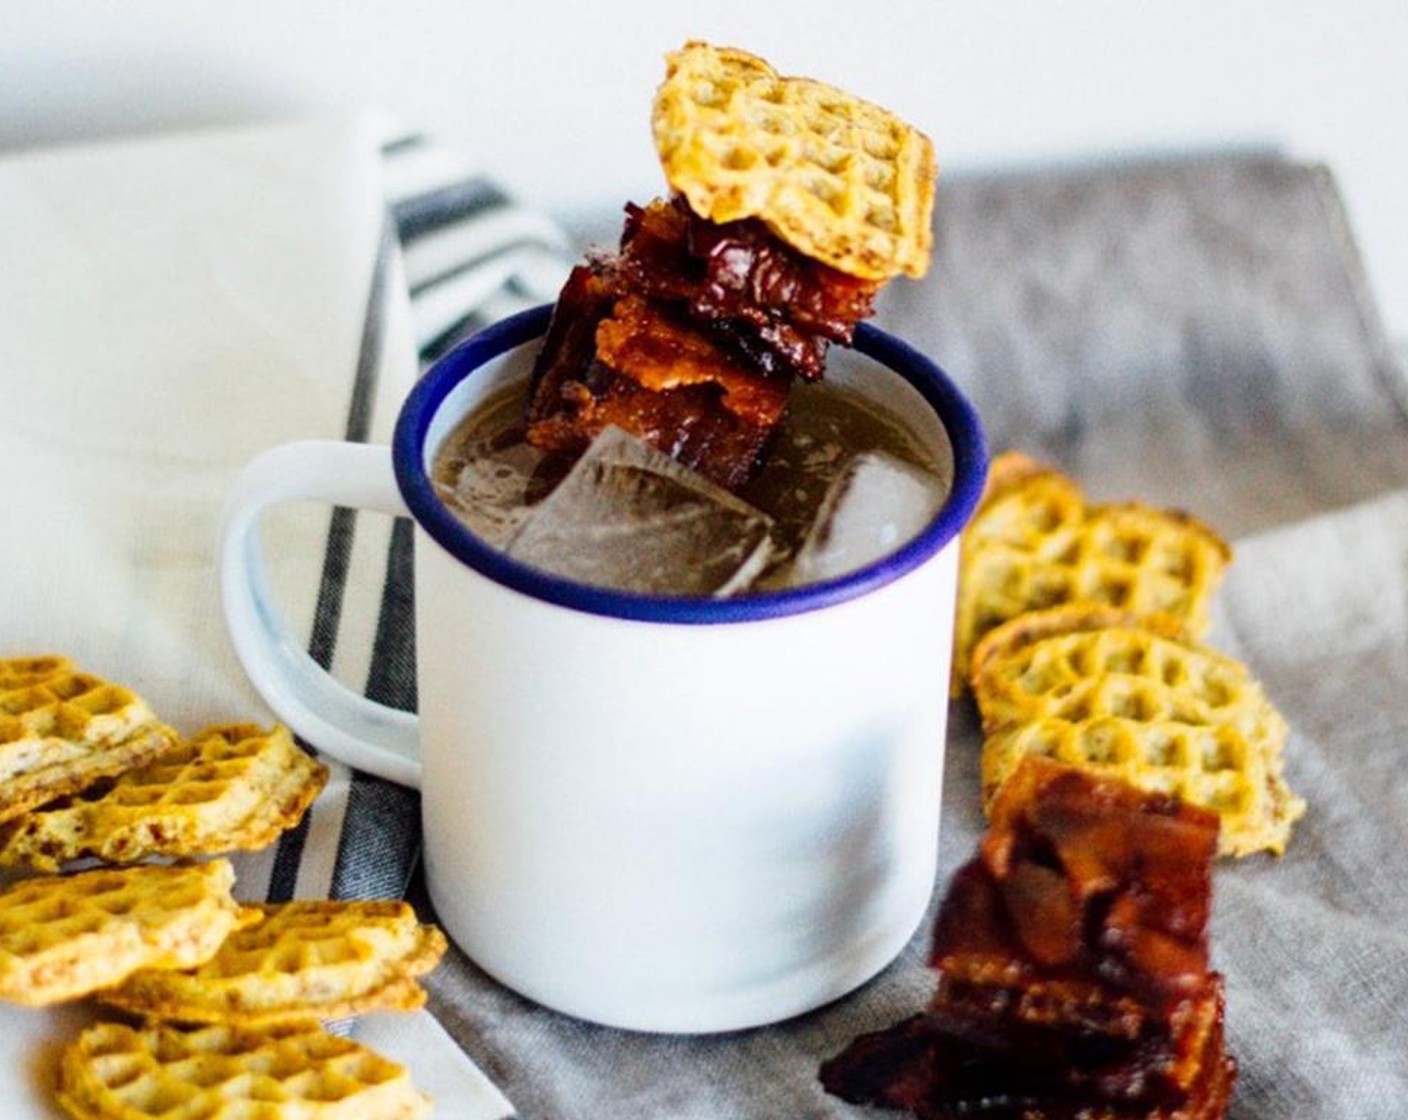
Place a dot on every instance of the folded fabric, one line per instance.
(172, 307)
(466, 255)
(1194, 333)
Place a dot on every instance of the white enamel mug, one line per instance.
(653, 813)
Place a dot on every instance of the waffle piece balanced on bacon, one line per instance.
(794, 203)
(1073, 968)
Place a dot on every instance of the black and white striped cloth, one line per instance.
(468, 256)
(471, 256)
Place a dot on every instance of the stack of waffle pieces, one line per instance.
(1036, 542)
(1073, 968)
(1079, 630)
(63, 729)
(231, 787)
(231, 996)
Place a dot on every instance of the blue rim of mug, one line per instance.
(959, 418)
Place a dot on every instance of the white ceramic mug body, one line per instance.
(680, 816)
(677, 827)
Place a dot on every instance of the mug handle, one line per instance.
(362, 733)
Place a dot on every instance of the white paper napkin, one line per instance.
(169, 307)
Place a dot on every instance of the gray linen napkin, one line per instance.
(1195, 333)
(1315, 946)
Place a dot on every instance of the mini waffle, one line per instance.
(224, 1072)
(1099, 690)
(62, 729)
(1034, 542)
(231, 787)
(64, 937)
(840, 180)
(305, 959)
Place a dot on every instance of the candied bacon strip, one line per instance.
(976, 946)
(569, 346)
(918, 1066)
(573, 397)
(687, 424)
(1160, 1060)
(1135, 865)
(1072, 960)
(659, 352)
(775, 346)
(735, 270)
(775, 307)
(897, 1067)
(688, 337)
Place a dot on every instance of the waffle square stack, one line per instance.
(1073, 968)
(1035, 542)
(88, 772)
(313, 958)
(231, 995)
(1079, 627)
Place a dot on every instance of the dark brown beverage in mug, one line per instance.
(491, 478)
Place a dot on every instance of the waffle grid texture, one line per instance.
(305, 959)
(1111, 694)
(65, 937)
(1036, 543)
(840, 179)
(224, 1072)
(62, 729)
(230, 787)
